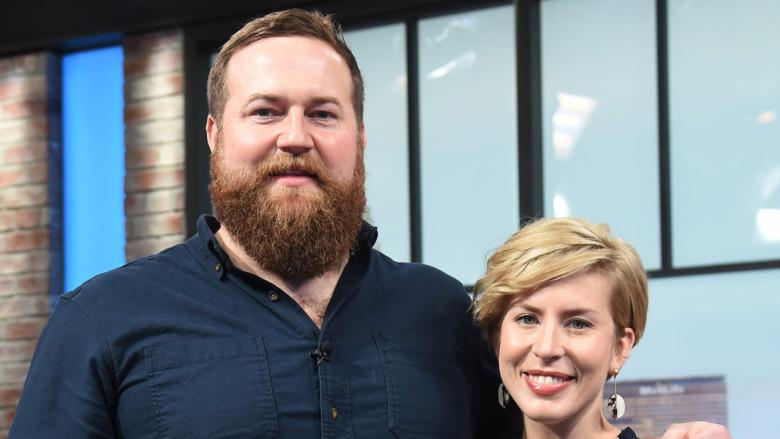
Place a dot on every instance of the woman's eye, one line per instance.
(526, 319)
(578, 324)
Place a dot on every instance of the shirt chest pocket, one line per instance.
(218, 388)
(429, 394)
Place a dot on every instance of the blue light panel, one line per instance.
(93, 163)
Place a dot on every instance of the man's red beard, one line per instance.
(296, 233)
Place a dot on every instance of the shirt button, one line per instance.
(334, 412)
(274, 296)
(218, 267)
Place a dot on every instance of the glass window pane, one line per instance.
(93, 156)
(724, 87)
(468, 149)
(600, 117)
(381, 54)
(715, 325)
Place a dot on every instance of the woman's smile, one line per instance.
(543, 383)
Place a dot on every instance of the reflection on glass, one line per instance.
(725, 160)
(568, 122)
(560, 207)
(766, 117)
(468, 150)
(381, 54)
(462, 62)
(768, 225)
(600, 123)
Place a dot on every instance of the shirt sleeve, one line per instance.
(68, 392)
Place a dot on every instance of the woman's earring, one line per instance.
(503, 395)
(616, 404)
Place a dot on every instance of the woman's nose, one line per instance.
(547, 344)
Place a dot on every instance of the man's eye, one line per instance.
(322, 115)
(263, 113)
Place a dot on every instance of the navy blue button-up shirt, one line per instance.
(183, 344)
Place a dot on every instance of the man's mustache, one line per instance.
(288, 164)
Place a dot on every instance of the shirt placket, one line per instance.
(334, 393)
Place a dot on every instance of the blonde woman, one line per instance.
(563, 303)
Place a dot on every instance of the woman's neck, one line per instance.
(570, 429)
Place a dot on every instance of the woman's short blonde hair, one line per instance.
(549, 250)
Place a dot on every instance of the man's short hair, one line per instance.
(290, 22)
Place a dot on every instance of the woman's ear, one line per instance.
(623, 346)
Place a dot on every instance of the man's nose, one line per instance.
(295, 135)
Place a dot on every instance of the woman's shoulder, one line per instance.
(628, 433)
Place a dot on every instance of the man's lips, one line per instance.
(293, 178)
(293, 172)
(547, 383)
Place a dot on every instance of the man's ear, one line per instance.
(363, 135)
(212, 132)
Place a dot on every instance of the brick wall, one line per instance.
(29, 214)
(30, 184)
(154, 137)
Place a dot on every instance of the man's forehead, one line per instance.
(288, 45)
(277, 55)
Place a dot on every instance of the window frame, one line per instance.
(202, 40)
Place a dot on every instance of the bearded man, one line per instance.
(278, 318)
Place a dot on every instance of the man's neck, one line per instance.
(313, 295)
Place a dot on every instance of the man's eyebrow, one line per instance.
(274, 98)
(264, 97)
(325, 100)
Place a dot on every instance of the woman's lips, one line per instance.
(546, 383)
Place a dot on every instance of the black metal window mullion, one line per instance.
(664, 168)
(197, 62)
(529, 109)
(664, 178)
(413, 114)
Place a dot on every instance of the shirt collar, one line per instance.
(214, 258)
